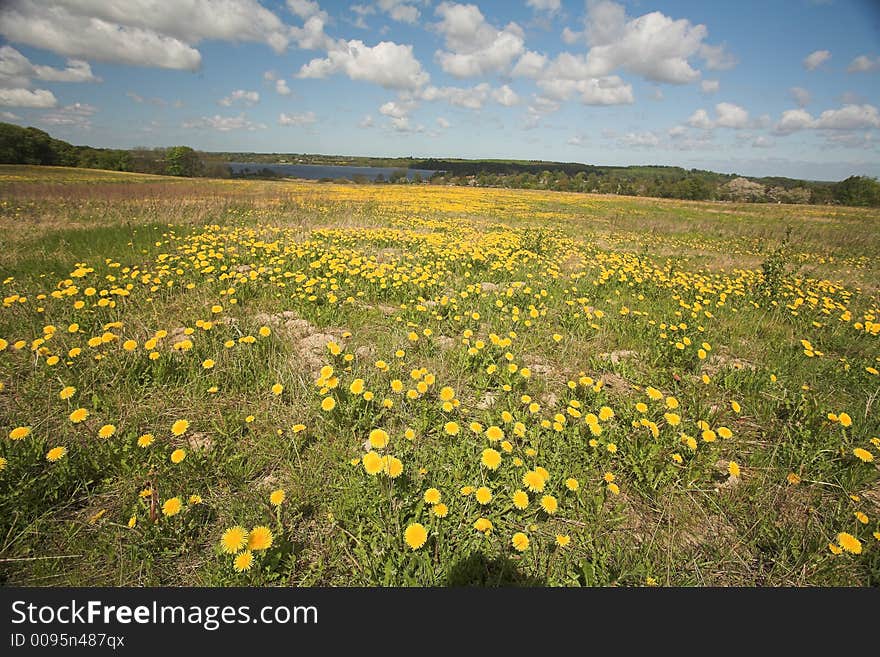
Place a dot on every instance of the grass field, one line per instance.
(288, 383)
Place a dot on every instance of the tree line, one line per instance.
(20, 145)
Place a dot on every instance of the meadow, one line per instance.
(220, 382)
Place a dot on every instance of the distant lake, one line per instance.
(318, 171)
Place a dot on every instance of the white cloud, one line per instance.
(402, 125)
(801, 96)
(296, 119)
(9, 116)
(240, 95)
(763, 142)
(77, 116)
(400, 11)
(16, 70)
(792, 121)
(676, 131)
(700, 119)
(731, 116)
(468, 97)
(443, 123)
(609, 90)
(550, 6)
(816, 59)
(223, 123)
(653, 45)
(388, 64)
(159, 102)
(570, 36)
(138, 32)
(270, 76)
(710, 86)
(849, 117)
(506, 96)
(305, 9)
(474, 47)
(396, 110)
(27, 98)
(639, 139)
(577, 140)
(530, 65)
(366, 122)
(717, 58)
(863, 64)
(281, 87)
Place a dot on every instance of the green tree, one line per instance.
(182, 161)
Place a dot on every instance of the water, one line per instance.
(318, 171)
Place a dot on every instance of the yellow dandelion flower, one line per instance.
(483, 495)
(440, 510)
(733, 469)
(849, 543)
(392, 466)
(793, 478)
(55, 453)
(520, 542)
(260, 538)
(725, 433)
(605, 413)
(451, 428)
(494, 433)
(67, 392)
(195, 499)
(372, 463)
(520, 499)
(844, 419)
(467, 490)
(612, 448)
(432, 496)
(19, 433)
(863, 455)
(549, 504)
(490, 459)
(378, 438)
(483, 525)
(653, 393)
(834, 549)
(415, 535)
(861, 517)
(178, 455)
(3, 463)
(234, 540)
(572, 484)
(132, 522)
(614, 488)
(534, 481)
(243, 561)
(106, 431)
(265, 331)
(562, 540)
(277, 497)
(172, 507)
(328, 404)
(179, 427)
(78, 415)
(735, 406)
(709, 435)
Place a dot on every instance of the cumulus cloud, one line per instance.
(848, 117)
(240, 96)
(223, 123)
(506, 96)
(815, 59)
(530, 65)
(727, 115)
(468, 97)
(366, 122)
(159, 102)
(473, 46)
(388, 64)
(27, 98)
(77, 115)
(801, 96)
(639, 139)
(400, 11)
(16, 70)
(396, 110)
(717, 58)
(549, 6)
(610, 90)
(863, 64)
(281, 87)
(135, 32)
(305, 9)
(710, 86)
(297, 119)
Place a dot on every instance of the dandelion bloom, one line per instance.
(432, 496)
(67, 392)
(483, 495)
(172, 507)
(483, 525)
(3, 463)
(520, 542)
(378, 438)
(106, 431)
(372, 463)
(533, 481)
(78, 415)
(415, 535)
(605, 413)
(612, 448)
(392, 466)
(265, 331)
(793, 478)
(276, 498)
(55, 453)
(243, 561)
(861, 517)
(440, 510)
(179, 427)
(844, 419)
(709, 435)
(260, 538)
(328, 404)
(562, 540)
(447, 394)
(178, 455)
(572, 484)
(725, 433)
(195, 499)
(735, 406)
(451, 428)
(520, 499)
(863, 455)
(490, 459)
(467, 490)
(146, 440)
(494, 433)
(19, 433)
(549, 504)
(234, 540)
(849, 543)
(733, 469)
(614, 488)
(277, 389)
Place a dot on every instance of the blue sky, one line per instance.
(771, 87)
